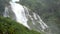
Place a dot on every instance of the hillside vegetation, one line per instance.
(8, 26)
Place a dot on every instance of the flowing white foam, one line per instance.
(19, 12)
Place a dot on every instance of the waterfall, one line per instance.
(35, 19)
(24, 16)
(19, 13)
(6, 12)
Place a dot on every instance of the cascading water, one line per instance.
(19, 13)
(6, 12)
(34, 20)
(22, 15)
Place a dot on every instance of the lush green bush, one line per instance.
(8, 26)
